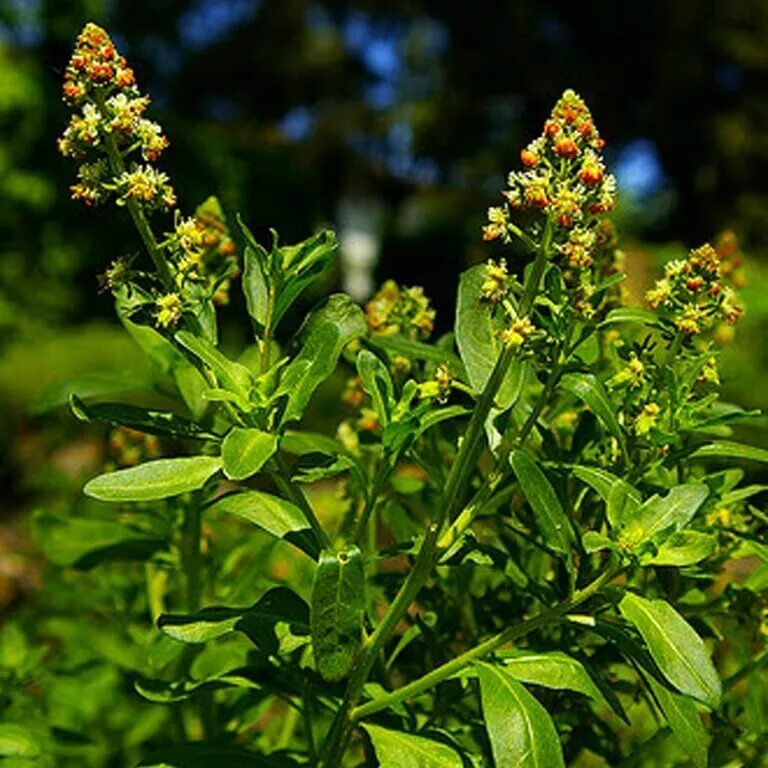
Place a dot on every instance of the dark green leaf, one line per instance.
(201, 755)
(142, 419)
(397, 344)
(328, 330)
(520, 730)
(338, 605)
(396, 749)
(300, 443)
(675, 647)
(153, 480)
(278, 605)
(245, 451)
(272, 514)
(553, 524)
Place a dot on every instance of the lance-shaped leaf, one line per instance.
(657, 514)
(328, 330)
(245, 451)
(684, 720)
(377, 383)
(727, 449)
(547, 510)
(520, 730)
(631, 315)
(338, 605)
(231, 375)
(396, 749)
(142, 419)
(477, 337)
(682, 548)
(604, 483)
(675, 647)
(590, 390)
(397, 344)
(257, 267)
(552, 669)
(258, 622)
(153, 480)
(272, 514)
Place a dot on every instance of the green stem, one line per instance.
(281, 476)
(137, 212)
(514, 632)
(458, 480)
(370, 503)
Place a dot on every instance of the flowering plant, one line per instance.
(522, 561)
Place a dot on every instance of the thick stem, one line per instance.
(514, 632)
(452, 499)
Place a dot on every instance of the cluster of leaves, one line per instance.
(524, 561)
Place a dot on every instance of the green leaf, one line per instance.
(328, 330)
(189, 381)
(592, 541)
(301, 265)
(477, 337)
(657, 514)
(396, 749)
(338, 605)
(255, 281)
(245, 451)
(588, 388)
(675, 647)
(684, 720)
(521, 733)
(604, 482)
(631, 315)
(258, 622)
(682, 548)
(230, 375)
(377, 383)
(272, 514)
(553, 669)
(153, 480)
(726, 449)
(553, 524)
(85, 542)
(18, 741)
(142, 419)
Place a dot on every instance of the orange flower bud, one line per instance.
(566, 148)
(529, 159)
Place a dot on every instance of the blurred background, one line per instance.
(394, 122)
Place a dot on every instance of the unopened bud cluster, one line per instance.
(405, 311)
(565, 178)
(110, 126)
(694, 294)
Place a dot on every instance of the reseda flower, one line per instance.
(693, 294)
(494, 287)
(111, 121)
(565, 173)
(518, 333)
(168, 310)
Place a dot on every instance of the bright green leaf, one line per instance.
(683, 548)
(377, 383)
(245, 451)
(396, 749)
(152, 480)
(272, 514)
(328, 330)
(726, 449)
(18, 741)
(520, 730)
(675, 647)
(588, 388)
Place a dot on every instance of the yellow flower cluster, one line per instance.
(400, 310)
